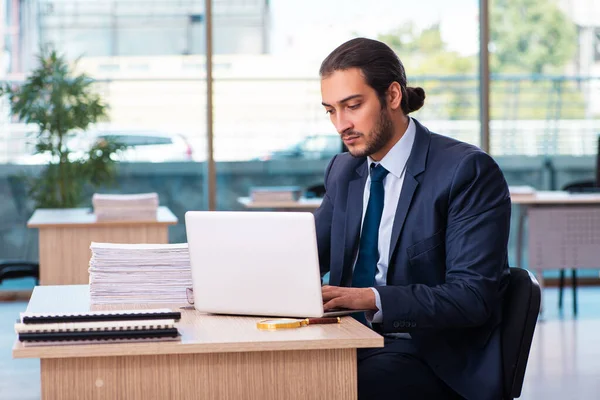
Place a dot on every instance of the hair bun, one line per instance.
(416, 98)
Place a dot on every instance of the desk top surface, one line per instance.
(519, 195)
(300, 204)
(555, 198)
(49, 217)
(200, 332)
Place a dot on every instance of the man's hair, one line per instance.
(379, 65)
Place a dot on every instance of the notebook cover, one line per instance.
(99, 316)
(95, 326)
(97, 335)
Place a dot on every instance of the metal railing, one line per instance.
(531, 115)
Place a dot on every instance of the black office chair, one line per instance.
(14, 269)
(521, 309)
(315, 191)
(587, 185)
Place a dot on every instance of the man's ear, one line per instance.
(394, 95)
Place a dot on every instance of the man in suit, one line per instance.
(414, 227)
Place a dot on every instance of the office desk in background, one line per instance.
(563, 231)
(65, 236)
(217, 357)
(564, 227)
(303, 204)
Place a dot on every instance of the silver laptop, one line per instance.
(255, 263)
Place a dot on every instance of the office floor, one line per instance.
(19, 379)
(564, 362)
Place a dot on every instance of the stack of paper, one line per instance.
(521, 190)
(139, 273)
(140, 206)
(275, 193)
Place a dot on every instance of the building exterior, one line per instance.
(586, 16)
(100, 28)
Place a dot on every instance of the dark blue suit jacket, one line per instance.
(448, 266)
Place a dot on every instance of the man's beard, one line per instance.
(381, 134)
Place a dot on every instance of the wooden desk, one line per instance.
(546, 211)
(65, 236)
(563, 232)
(218, 357)
(556, 198)
(525, 197)
(301, 205)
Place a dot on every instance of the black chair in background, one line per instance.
(589, 185)
(318, 190)
(315, 191)
(521, 309)
(15, 269)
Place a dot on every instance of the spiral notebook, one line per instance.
(97, 326)
(108, 315)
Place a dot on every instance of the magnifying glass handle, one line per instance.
(315, 321)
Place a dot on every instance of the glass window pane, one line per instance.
(146, 59)
(270, 126)
(545, 103)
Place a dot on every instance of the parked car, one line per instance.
(149, 146)
(142, 146)
(313, 147)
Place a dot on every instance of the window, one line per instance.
(267, 106)
(147, 60)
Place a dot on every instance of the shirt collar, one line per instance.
(395, 160)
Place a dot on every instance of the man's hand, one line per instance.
(347, 297)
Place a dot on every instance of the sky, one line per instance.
(315, 27)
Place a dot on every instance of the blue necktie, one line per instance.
(368, 251)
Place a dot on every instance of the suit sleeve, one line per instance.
(476, 238)
(323, 216)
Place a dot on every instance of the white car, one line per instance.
(149, 146)
(312, 147)
(142, 146)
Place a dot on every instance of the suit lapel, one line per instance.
(354, 212)
(414, 167)
(408, 190)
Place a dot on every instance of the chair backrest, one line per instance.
(520, 314)
(317, 190)
(15, 269)
(19, 195)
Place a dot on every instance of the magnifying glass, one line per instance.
(288, 323)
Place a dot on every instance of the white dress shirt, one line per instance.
(395, 162)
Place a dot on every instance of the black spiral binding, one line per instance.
(46, 319)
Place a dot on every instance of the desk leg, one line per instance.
(310, 374)
(520, 233)
(519, 256)
(539, 274)
(574, 285)
(561, 287)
